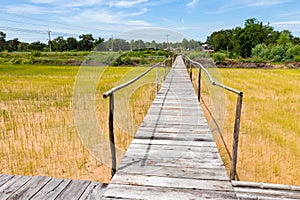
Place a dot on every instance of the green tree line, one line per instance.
(87, 42)
(258, 41)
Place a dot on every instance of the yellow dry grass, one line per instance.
(269, 149)
(37, 131)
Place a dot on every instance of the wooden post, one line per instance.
(165, 70)
(156, 79)
(191, 72)
(111, 135)
(199, 85)
(236, 136)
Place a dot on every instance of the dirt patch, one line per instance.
(239, 64)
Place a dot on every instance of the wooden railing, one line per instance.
(190, 64)
(110, 94)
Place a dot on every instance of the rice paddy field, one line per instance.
(37, 131)
(269, 149)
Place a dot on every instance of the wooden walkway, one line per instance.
(173, 155)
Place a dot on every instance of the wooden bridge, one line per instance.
(173, 156)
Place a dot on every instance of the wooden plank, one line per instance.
(30, 188)
(261, 193)
(179, 183)
(175, 172)
(74, 190)
(52, 189)
(180, 162)
(253, 190)
(119, 191)
(12, 185)
(5, 178)
(166, 143)
(96, 191)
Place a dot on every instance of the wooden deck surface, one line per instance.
(173, 155)
(41, 187)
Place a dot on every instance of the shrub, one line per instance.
(297, 58)
(293, 52)
(36, 54)
(261, 51)
(219, 57)
(126, 60)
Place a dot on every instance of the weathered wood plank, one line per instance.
(179, 183)
(253, 190)
(96, 192)
(93, 191)
(74, 190)
(119, 191)
(52, 189)
(12, 185)
(166, 144)
(30, 188)
(5, 178)
(175, 172)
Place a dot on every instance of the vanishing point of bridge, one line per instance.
(172, 156)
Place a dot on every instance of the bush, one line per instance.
(35, 54)
(219, 57)
(260, 51)
(293, 52)
(297, 58)
(126, 60)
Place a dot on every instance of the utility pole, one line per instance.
(167, 41)
(49, 40)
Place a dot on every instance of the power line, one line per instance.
(42, 32)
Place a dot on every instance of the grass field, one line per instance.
(269, 149)
(37, 131)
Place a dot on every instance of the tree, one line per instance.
(2, 40)
(284, 38)
(248, 37)
(36, 46)
(12, 45)
(59, 44)
(23, 46)
(99, 44)
(86, 42)
(221, 40)
(72, 44)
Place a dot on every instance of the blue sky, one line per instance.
(29, 20)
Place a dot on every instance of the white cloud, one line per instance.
(69, 3)
(192, 3)
(141, 12)
(138, 23)
(293, 26)
(89, 16)
(286, 23)
(31, 9)
(242, 4)
(127, 4)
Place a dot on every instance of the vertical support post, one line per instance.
(111, 135)
(236, 136)
(191, 71)
(199, 85)
(165, 70)
(156, 79)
